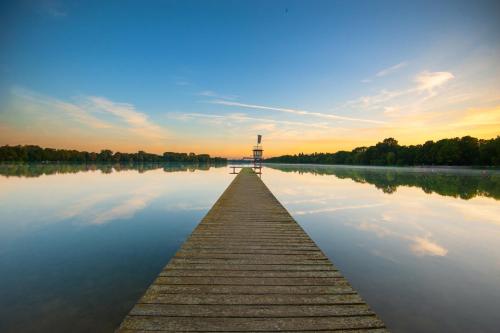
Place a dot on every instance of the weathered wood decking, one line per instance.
(249, 266)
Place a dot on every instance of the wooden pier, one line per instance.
(249, 267)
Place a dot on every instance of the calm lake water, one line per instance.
(79, 245)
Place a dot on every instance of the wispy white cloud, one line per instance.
(386, 71)
(267, 127)
(323, 200)
(211, 93)
(295, 111)
(426, 85)
(138, 121)
(334, 209)
(374, 101)
(418, 245)
(390, 110)
(477, 210)
(208, 93)
(93, 112)
(110, 203)
(73, 110)
(239, 117)
(84, 204)
(186, 206)
(428, 81)
(81, 115)
(124, 210)
(241, 125)
(392, 69)
(422, 246)
(378, 229)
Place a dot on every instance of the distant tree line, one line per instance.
(457, 151)
(31, 153)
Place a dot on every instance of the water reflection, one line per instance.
(39, 169)
(463, 183)
(79, 244)
(423, 257)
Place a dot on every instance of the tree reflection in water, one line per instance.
(458, 183)
(39, 169)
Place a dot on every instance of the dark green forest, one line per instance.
(466, 151)
(31, 153)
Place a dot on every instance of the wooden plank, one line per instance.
(341, 288)
(248, 281)
(255, 273)
(267, 257)
(232, 251)
(239, 247)
(285, 261)
(228, 324)
(246, 243)
(248, 266)
(257, 267)
(243, 311)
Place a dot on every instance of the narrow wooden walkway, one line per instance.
(249, 267)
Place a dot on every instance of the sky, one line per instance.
(208, 76)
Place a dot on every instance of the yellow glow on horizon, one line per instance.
(48, 128)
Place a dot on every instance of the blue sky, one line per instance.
(208, 76)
